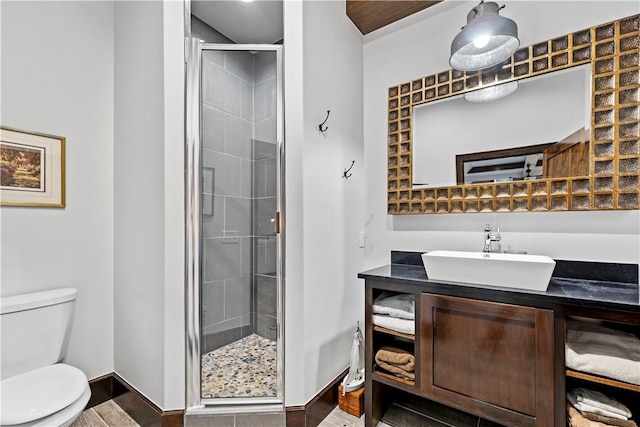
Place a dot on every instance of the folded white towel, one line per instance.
(584, 407)
(603, 351)
(396, 305)
(598, 400)
(395, 324)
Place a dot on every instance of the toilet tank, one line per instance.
(35, 330)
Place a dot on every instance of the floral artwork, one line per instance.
(31, 169)
(21, 167)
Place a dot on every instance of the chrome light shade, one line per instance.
(491, 93)
(486, 40)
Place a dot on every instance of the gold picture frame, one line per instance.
(32, 169)
(613, 51)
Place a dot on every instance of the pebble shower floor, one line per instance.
(245, 368)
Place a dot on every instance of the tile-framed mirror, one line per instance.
(610, 52)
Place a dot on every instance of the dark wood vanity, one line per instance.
(497, 353)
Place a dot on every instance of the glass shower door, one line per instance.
(239, 289)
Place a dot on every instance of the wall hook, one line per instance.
(321, 126)
(346, 174)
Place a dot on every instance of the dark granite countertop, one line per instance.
(605, 286)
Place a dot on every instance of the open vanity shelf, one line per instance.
(394, 333)
(498, 354)
(602, 380)
(389, 379)
(385, 337)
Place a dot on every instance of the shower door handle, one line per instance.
(278, 222)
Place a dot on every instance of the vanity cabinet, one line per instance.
(497, 353)
(491, 359)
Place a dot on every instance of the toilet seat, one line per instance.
(37, 394)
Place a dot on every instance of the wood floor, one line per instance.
(338, 418)
(109, 414)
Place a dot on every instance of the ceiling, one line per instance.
(261, 21)
(245, 23)
(370, 15)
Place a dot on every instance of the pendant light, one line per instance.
(491, 93)
(486, 40)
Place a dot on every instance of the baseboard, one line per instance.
(104, 388)
(142, 410)
(296, 416)
(312, 414)
(146, 413)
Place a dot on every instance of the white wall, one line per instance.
(149, 200)
(57, 78)
(63, 63)
(399, 54)
(174, 346)
(324, 299)
(293, 215)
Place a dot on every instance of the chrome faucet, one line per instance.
(489, 237)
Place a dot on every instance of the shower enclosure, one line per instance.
(234, 286)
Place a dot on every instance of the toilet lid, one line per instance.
(39, 393)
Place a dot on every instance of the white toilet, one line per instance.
(37, 389)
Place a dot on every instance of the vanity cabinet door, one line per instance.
(494, 360)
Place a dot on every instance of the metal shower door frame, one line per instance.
(193, 135)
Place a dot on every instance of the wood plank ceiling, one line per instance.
(369, 15)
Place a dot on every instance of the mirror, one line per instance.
(511, 164)
(592, 161)
(461, 142)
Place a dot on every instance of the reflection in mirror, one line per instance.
(551, 112)
(513, 164)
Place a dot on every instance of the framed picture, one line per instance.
(32, 169)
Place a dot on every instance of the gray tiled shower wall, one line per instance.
(239, 196)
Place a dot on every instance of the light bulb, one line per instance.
(481, 41)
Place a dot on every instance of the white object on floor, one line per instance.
(355, 377)
(354, 384)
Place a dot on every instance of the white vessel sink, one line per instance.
(493, 269)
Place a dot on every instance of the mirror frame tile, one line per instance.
(613, 50)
